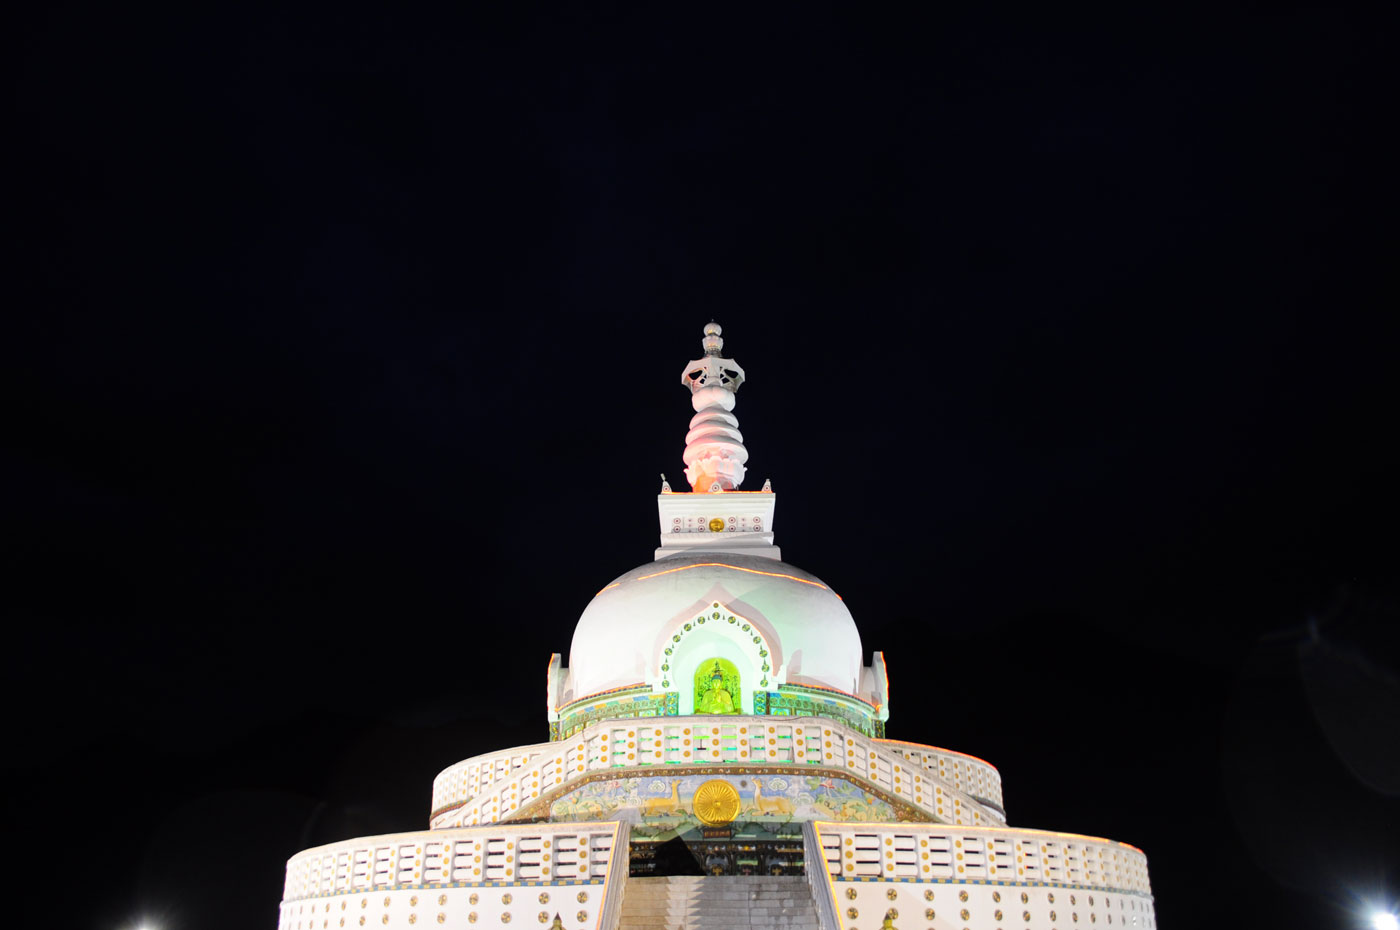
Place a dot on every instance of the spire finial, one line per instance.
(714, 447)
(712, 342)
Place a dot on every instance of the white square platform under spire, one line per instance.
(727, 521)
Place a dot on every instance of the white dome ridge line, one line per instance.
(737, 568)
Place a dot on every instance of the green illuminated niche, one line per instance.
(717, 688)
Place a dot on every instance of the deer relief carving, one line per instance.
(655, 807)
(769, 805)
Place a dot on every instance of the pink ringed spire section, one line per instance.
(714, 448)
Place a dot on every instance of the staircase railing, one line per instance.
(615, 888)
(461, 782)
(968, 773)
(818, 878)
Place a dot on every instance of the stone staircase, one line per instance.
(722, 902)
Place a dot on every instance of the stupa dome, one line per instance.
(662, 622)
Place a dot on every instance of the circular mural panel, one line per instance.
(716, 802)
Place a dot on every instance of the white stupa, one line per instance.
(717, 758)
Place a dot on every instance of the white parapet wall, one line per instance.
(925, 777)
(977, 777)
(950, 878)
(470, 777)
(527, 873)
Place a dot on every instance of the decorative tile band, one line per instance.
(791, 701)
(823, 690)
(640, 687)
(904, 811)
(646, 705)
(787, 701)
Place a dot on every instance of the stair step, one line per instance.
(731, 902)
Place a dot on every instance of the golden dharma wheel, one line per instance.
(716, 802)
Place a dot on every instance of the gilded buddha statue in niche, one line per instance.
(717, 694)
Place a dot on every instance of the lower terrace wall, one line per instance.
(489, 875)
(934, 876)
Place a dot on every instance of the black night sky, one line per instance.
(343, 355)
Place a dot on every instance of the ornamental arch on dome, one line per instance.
(716, 635)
